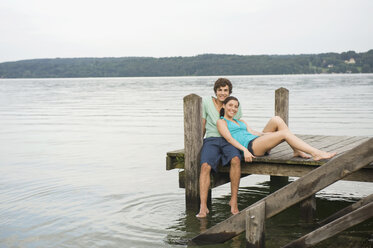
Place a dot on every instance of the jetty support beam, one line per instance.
(255, 218)
(193, 140)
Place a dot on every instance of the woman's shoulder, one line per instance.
(241, 121)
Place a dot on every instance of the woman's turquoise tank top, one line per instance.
(239, 132)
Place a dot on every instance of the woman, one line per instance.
(253, 143)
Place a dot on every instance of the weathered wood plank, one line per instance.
(321, 177)
(340, 144)
(347, 210)
(334, 227)
(283, 153)
(255, 218)
(350, 145)
(193, 140)
(363, 175)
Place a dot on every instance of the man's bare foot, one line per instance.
(323, 155)
(301, 154)
(234, 208)
(202, 213)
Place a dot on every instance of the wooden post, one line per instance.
(308, 209)
(282, 110)
(308, 206)
(193, 140)
(255, 218)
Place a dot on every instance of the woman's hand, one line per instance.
(248, 156)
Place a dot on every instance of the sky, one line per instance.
(31, 29)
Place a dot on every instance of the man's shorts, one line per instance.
(216, 150)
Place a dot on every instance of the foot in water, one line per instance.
(202, 213)
(301, 154)
(323, 155)
(234, 208)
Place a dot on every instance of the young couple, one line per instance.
(228, 139)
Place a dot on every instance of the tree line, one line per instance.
(200, 65)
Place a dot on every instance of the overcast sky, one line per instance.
(163, 28)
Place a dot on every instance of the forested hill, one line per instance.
(201, 65)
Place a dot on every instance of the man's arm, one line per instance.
(203, 126)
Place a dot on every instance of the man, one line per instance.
(216, 149)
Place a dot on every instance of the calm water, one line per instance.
(82, 161)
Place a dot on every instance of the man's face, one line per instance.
(222, 93)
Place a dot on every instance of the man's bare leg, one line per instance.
(204, 185)
(235, 175)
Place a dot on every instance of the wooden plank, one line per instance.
(350, 145)
(175, 153)
(341, 144)
(321, 177)
(334, 227)
(255, 218)
(193, 140)
(347, 210)
(283, 153)
(296, 170)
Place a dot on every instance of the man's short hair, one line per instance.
(222, 82)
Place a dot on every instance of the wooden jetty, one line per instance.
(353, 162)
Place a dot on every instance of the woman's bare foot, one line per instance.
(301, 154)
(234, 208)
(323, 155)
(203, 213)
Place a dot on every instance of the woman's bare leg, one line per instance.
(267, 142)
(276, 123)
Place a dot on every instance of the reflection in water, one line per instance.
(280, 229)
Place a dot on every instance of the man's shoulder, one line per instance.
(206, 99)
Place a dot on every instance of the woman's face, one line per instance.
(231, 108)
(222, 93)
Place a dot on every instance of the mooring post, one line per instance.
(255, 218)
(193, 140)
(282, 110)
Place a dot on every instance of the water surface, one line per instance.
(82, 161)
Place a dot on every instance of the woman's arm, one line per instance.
(224, 131)
(251, 130)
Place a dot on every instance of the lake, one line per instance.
(82, 161)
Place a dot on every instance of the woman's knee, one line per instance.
(277, 119)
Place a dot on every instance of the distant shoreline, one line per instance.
(201, 65)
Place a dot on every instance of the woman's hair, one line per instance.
(229, 98)
(221, 82)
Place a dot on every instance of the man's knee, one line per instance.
(205, 168)
(236, 161)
